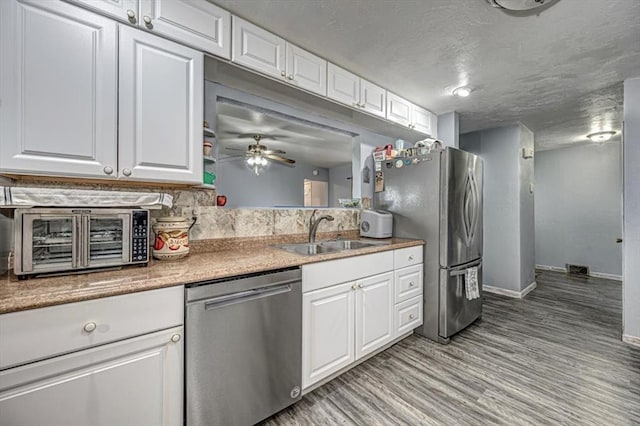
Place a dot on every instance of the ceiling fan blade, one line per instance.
(274, 151)
(235, 149)
(280, 159)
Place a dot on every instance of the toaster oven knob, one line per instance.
(89, 327)
(365, 226)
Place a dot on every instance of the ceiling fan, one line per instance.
(258, 153)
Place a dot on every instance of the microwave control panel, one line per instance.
(140, 236)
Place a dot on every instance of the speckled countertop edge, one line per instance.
(16, 295)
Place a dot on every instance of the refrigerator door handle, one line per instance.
(473, 189)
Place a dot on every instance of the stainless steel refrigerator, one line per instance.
(438, 198)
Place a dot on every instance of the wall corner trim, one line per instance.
(511, 293)
(632, 340)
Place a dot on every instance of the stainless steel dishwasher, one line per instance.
(243, 348)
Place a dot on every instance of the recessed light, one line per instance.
(601, 136)
(462, 91)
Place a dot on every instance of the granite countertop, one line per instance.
(16, 295)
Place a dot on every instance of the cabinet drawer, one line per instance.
(41, 333)
(407, 257)
(408, 283)
(324, 274)
(408, 315)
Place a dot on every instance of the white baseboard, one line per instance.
(606, 276)
(551, 268)
(591, 274)
(510, 293)
(632, 340)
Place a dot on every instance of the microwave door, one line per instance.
(49, 242)
(107, 239)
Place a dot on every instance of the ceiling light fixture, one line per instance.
(517, 5)
(601, 136)
(462, 91)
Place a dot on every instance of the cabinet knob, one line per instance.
(290, 77)
(126, 172)
(410, 283)
(147, 22)
(89, 327)
(283, 73)
(362, 105)
(411, 316)
(410, 257)
(360, 285)
(131, 15)
(353, 286)
(176, 338)
(108, 170)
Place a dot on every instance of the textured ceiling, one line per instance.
(558, 71)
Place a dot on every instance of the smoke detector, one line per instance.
(518, 5)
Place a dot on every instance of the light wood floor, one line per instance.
(553, 358)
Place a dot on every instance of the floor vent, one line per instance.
(577, 270)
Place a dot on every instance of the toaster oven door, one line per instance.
(48, 242)
(107, 239)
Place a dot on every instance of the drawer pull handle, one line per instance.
(411, 316)
(411, 257)
(410, 283)
(176, 338)
(89, 327)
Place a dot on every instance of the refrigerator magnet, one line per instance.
(379, 182)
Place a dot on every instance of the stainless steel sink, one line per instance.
(348, 244)
(308, 248)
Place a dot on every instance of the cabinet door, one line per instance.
(342, 85)
(58, 88)
(327, 331)
(161, 109)
(258, 49)
(373, 98)
(132, 382)
(398, 109)
(124, 10)
(306, 70)
(422, 120)
(196, 23)
(374, 313)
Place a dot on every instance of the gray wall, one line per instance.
(631, 268)
(509, 245)
(340, 183)
(278, 186)
(578, 207)
(449, 129)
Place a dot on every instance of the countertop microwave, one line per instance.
(51, 240)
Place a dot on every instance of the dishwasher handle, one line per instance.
(246, 296)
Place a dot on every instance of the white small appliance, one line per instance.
(376, 224)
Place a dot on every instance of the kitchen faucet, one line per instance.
(313, 224)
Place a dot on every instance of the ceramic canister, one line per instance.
(172, 238)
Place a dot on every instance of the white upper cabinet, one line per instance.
(374, 313)
(196, 23)
(373, 99)
(124, 10)
(398, 109)
(58, 90)
(258, 49)
(347, 88)
(306, 70)
(161, 109)
(424, 121)
(405, 113)
(343, 86)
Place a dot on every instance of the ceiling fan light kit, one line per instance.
(518, 5)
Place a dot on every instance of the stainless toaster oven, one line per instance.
(51, 240)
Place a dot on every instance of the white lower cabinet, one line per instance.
(136, 381)
(112, 361)
(342, 322)
(374, 313)
(328, 333)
